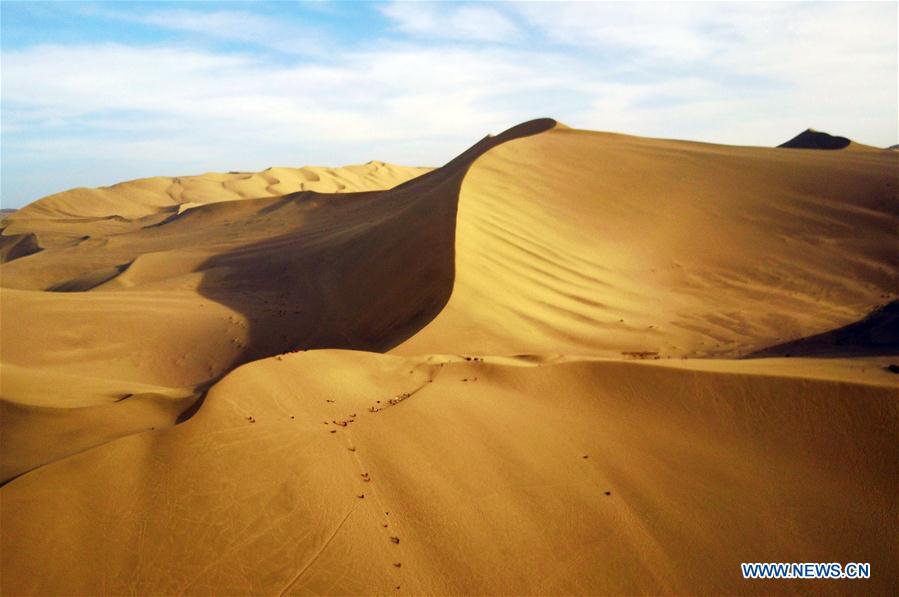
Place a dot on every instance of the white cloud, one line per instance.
(744, 73)
(434, 20)
(395, 92)
(645, 30)
(283, 35)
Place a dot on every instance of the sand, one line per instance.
(521, 373)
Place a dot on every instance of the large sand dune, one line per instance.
(620, 243)
(175, 419)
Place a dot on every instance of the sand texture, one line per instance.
(566, 362)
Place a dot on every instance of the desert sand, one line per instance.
(566, 362)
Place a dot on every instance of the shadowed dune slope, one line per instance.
(17, 245)
(578, 242)
(876, 334)
(572, 478)
(364, 271)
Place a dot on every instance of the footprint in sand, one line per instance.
(394, 539)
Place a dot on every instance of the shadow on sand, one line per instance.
(360, 271)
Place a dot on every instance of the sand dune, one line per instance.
(129, 206)
(175, 418)
(568, 478)
(137, 198)
(812, 139)
(622, 243)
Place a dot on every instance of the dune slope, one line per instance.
(583, 477)
(593, 243)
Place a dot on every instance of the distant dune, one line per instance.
(811, 139)
(519, 373)
(131, 205)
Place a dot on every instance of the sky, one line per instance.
(97, 93)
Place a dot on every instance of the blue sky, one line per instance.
(97, 93)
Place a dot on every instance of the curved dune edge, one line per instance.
(638, 470)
